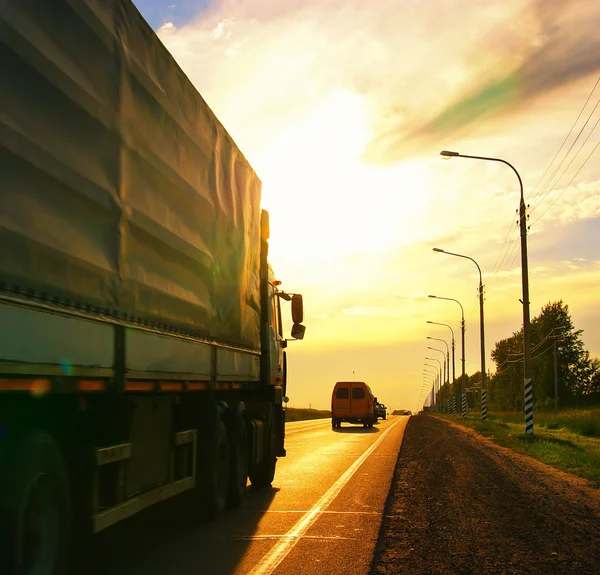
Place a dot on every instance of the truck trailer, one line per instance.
(142, 353)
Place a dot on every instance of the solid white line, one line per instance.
(279, 552)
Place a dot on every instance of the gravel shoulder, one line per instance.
(460, 504)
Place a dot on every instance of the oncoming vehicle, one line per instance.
(353, 402)
(380, 410)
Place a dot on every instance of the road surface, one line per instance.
(321, 516)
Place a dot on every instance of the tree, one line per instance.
(553, 333)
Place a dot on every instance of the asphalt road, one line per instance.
(321, 516)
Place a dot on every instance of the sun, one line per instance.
(326, 202)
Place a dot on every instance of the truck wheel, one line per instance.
(264, 473)
(238, 456)
(35, 508)
(213, 465)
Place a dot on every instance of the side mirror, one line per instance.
(297, 309)
(298, 331)
(286, 399)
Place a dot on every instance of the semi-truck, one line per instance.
(142, 350)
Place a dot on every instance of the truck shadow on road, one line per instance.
(356, 429)
(154, 542)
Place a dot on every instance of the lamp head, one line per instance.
(440, 251)
(448, 154)
(432, 296)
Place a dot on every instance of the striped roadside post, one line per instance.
(528, 406)
(454, 404)
(483, 404)
(464, 404)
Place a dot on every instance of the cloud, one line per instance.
(554, 45)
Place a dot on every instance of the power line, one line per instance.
(530, 196)
(549, 184)
(575, 156)
(568, 185)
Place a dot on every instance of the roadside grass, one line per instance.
(568, 440)
(300, 414)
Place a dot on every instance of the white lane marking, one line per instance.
(279, 552)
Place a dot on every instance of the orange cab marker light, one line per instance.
(236, 386)
(35, 386)
(139, 386)
(171, 386)
(196, 385)
(91, 385)
(276, 283)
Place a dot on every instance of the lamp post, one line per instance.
(438, 376)
(481, 331)
(442, 369)
(453, 364)
(527, 361)
(433, 375)
(463, 397)
(427, 387)
(446, 368)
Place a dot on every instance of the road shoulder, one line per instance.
(461, 504)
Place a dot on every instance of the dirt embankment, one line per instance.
(461, 505)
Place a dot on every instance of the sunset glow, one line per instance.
(342, 108)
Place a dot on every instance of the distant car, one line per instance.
(381, 411)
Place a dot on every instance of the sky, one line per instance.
(342, 109)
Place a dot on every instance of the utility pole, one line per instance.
(555, 375)
(528, 363)
(463, 396)
(527, 360)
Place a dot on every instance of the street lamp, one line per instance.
(446, 367)
(438, 375)
(446, 373)
(481, 331)
(442, 363)
(463, 397)
(428, 384)
(453, 365)
(528, 366)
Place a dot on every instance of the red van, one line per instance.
(352, 401)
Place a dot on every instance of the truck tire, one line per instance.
(238, 455)
(213, 466)
(264, 473)
(35, 507)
